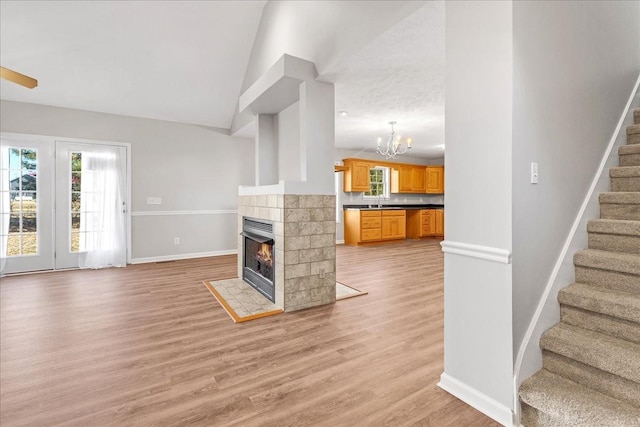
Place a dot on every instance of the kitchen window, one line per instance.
(378, 183)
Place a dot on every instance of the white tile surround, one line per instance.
(305, 253)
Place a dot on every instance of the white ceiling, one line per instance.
(185, 61)
(178, 61)
(399, 76)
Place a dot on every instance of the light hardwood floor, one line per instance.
(149, 345)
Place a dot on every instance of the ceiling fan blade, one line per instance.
(15, 77)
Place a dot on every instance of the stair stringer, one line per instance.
(529, 357)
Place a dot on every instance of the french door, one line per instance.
(76, 221)
(26, 205)
(47, 215)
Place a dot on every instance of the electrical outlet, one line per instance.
(176, 240)
(154, 200)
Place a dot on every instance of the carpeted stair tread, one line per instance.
(605, 301)
(606, 260)
(624, 172)
(629, 155)
(612, 355)
(633, 129)
(593, 378)
(565, 403)
(625, 178)
(614, 226)
(629, 149)
(620, 198)
(620, 205)
(614, 235)
(608, 279)
(597, 322)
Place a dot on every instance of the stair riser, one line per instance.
(608, 279)
(614, 361)
(595, 379)
(614, 243)
(619, 211)
(630, 160)
(625, 184)
(634, 138)
(531, 417)
(615, 327)
(636, 117)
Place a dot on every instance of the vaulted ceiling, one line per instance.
(185, 62)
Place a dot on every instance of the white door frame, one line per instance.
(53, 139)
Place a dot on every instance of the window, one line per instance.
(378, 183)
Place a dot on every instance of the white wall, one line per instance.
(478, 350)
(193, 168)
(289, 143)
(575, 64)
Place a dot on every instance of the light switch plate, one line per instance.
(534, 172)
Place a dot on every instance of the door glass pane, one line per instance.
(76, 238)
(29, 243)
(22, 237)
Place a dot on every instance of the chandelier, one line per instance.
(394, 145)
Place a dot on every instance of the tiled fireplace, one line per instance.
(304, 245)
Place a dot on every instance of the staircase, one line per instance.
(591, 359)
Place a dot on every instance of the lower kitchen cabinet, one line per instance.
(425, 223)
(394, 224)
(363, 226)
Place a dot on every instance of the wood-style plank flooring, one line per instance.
(149, 345)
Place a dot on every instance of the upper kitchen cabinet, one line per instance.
(435, 179)
(404, 178)
(356, 177)
(408, 179)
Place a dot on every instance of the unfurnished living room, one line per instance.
(320, 213)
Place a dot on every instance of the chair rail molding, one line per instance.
(191, 212)
(488, 253)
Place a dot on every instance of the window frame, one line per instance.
(386, 172)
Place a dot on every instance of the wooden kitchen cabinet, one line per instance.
(418, 180)
(425, 223)
(435, 179)
(408, 179)
(405, 178)
(394, 223)
(364, 226)
(356, 177)
(439, 223)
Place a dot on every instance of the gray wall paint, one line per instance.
(193, 168)
(343, 198)
(478, 130)
(289, 158)
(575, 64)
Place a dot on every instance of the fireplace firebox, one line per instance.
(258, 253)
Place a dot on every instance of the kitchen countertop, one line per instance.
(391, 206)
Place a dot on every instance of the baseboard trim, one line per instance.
(480, 401)
(339, 242)
(477, 251)
(177, 257)
(172, 213)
